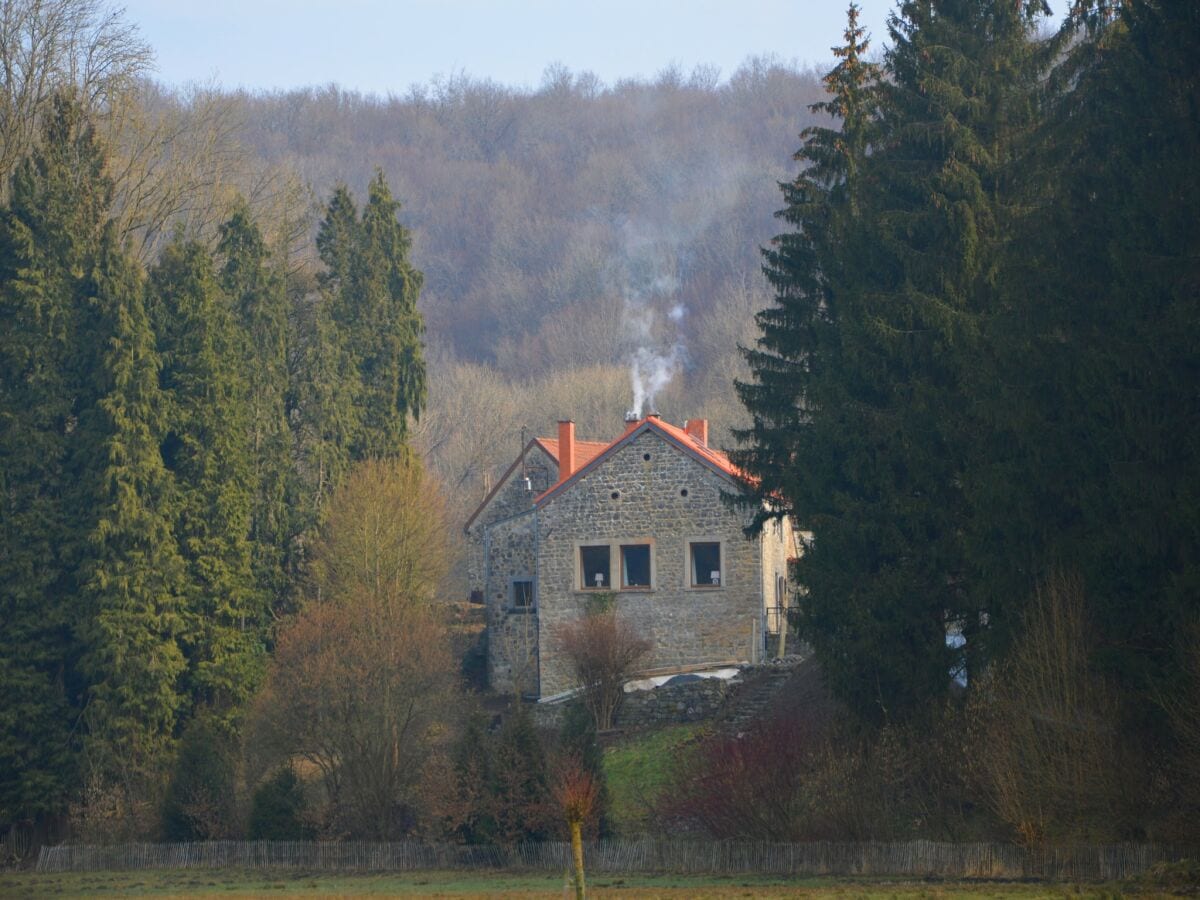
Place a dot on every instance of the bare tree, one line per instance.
(603, 652)
(177, 162)
(576, 792)
(1052, 761)
(82, 47)
(363, 679)
(384, 539)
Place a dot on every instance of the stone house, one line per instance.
(643, 516)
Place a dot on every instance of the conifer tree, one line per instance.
(49, 233)
(385, 327)
(1099, 419)
(329, 385)
(207, 449)
(369, 293)
(878, 320)
(128, 613)
(259, 297)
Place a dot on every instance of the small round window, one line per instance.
(646, 456)
(616, 495)
(683, 493)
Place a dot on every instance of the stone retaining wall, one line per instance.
(692, 701)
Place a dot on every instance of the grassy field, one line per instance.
(228, 883)
(638, 767)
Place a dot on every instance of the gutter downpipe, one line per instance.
(537, 595)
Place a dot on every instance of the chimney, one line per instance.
(566, 449)
(698, 429)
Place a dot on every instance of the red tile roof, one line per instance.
(585, 451)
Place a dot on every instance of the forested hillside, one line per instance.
(557, 231)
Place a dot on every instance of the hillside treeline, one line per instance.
(977, 387)
(557, 229)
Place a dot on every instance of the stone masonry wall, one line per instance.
(500, 548)
(512, 632)
(686, 625)
(692, 701)
(509, 499)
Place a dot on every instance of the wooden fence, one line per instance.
(916, 859)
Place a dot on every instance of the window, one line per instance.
(705, 563)
(594, 567)
(635, 565)
(522, 594)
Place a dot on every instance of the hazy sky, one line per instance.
(380, 46)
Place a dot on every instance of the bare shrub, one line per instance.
(603, 651)
(791, 778)
(107, 812)
(1181, 788)
(363, 681)
(1050, 757)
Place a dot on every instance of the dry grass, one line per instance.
(229, 884)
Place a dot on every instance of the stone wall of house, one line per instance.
(637, 495)
(510, 499)
(508, 551)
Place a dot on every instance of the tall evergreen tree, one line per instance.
(879, 310)
(1100, 411)
(329, 386)
(370, 290)
(259, 297)
(207, 449)
(385, 327)
(49, 233)
(128, 614)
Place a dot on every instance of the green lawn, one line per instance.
(638, 768)
(232, 883)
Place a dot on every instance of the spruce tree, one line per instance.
(878, 317)
(385, 327)
(207, 450)
(258, 294)
(1100, 417)
(128, 611)
(49, 233)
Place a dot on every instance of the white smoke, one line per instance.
(652, 313)
(650, 372)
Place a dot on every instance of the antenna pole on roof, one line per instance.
(523, 430)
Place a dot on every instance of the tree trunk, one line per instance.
(577, 855)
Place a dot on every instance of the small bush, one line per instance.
(278, 810)
(199, 802)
